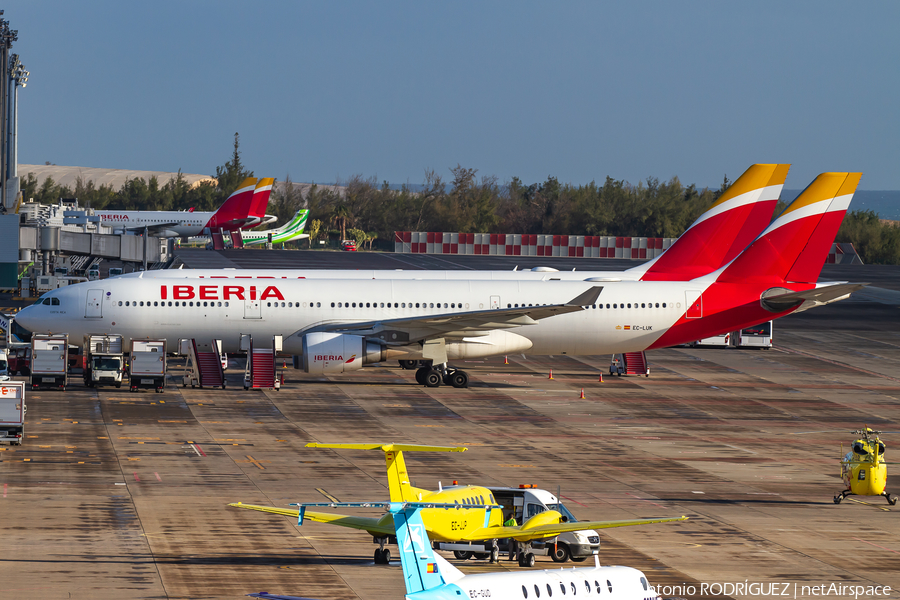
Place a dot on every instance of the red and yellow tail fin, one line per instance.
(725, 229)
(261, 197)
(236, 208)
(795, 246)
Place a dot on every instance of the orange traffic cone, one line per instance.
(505, 360)
(582, 393)
(551, 374)
(601, 377)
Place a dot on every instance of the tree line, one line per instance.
(362, 209)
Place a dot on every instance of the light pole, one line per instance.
(18, 76)
(7, 37)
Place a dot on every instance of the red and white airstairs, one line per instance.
(204, 363)
(260, 372)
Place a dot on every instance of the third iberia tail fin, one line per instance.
(725, 229)
(794, 247)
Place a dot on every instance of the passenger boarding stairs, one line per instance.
(629, 363)
(260, 370)
(203, 367)
(237, 240)
(218, 240)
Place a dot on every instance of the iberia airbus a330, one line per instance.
(345, 324)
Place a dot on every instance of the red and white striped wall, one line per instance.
(843, 254)
(518, 244)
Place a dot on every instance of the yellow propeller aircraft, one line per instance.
(863, 468)
(449, 525)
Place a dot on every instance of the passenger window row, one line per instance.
(395, 305)
(614, 305)
(163, 303)
(562, 587)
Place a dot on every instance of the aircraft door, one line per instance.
(252, 309)
(693, 300)
(495, 301)
(93, 305)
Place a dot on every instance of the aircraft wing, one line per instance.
(823, 293)
(363, 523)
(412, 329)
(155, 228)
(546, 531)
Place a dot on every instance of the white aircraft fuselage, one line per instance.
(174, 223)
(628, 316)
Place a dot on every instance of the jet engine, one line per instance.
(338, 352)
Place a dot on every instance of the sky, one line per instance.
(322, 91)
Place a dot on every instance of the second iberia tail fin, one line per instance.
(795, 246)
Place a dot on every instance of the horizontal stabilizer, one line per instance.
(824, 293)
(389, 447)
(373, 526)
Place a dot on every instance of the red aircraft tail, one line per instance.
(261, 197)
(235, 211)
(723, 231)
(795, 246)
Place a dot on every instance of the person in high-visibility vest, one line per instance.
(513, 546)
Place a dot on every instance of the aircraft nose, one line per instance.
(26, 318)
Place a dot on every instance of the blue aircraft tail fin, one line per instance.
(420, 569)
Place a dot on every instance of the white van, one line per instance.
(526, 501)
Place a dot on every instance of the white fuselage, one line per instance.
(175, 223)
(628, 316)
(609, 583)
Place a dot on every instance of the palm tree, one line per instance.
(341, 217)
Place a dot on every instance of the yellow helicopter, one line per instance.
(863, 468)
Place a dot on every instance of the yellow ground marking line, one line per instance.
(884, 508)
(327, 495)
(256, 463)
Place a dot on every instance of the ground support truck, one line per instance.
(12, 412)
(49, 360)
(148, 365)
(525, 502)
(104, 362)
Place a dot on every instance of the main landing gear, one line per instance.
(382, 554)
(525, 555)
(434, 376)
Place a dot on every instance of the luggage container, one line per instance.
(12, 412)
(148, 365)
(49, 361)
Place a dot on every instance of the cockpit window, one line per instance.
(46, 302)
(54, 301)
